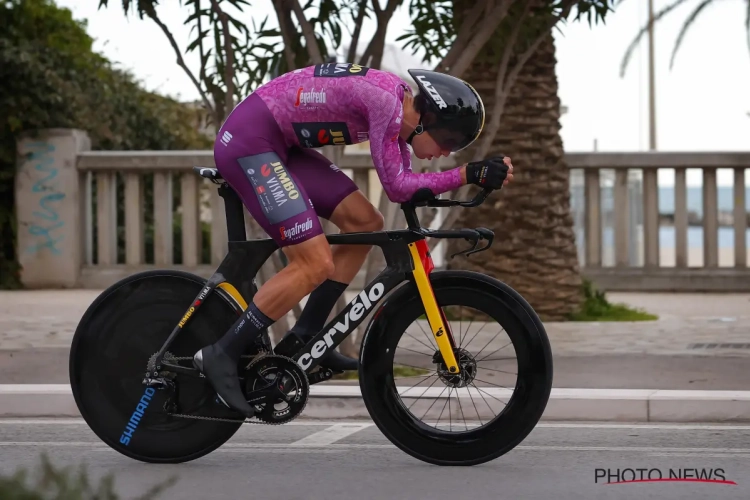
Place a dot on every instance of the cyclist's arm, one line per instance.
(392, 157)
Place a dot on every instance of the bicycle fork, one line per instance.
(423, 266)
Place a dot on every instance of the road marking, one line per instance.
(79, 421)
(700, 455)
(329, 423)
(330, 435)
(664, 426)
(58, 444)
(239, 447)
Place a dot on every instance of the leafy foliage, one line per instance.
(64, 484)
(257, 52)
(433, 28)
(50, 77)
(435, 24)
(596, 307)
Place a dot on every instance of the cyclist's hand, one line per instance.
(492, 173)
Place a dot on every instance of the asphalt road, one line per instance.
(345, 460)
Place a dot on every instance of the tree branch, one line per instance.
(150, 12)
(229, 67)
(377, 43)
(483, 34)
(464, 35)
(357, 30)
(286, 26)
(307, 30)
(201, 49)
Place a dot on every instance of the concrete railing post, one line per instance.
(48, 208)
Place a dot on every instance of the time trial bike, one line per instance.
(133, 380)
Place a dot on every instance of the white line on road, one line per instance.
(328, 423)
(238, 447)
(331, 434)
(700, 455)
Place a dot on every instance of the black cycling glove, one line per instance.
(489, 173)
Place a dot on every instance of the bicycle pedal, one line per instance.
(322, 375)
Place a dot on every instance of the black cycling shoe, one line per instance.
(221, 373)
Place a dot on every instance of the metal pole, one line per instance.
(651, 79)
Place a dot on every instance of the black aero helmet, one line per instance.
(451, 110)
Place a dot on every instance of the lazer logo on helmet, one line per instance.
(357, 310)
(431, 90)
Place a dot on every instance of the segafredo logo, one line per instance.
(310, 97)
(359, 307)
(431, 90)
(295, 230)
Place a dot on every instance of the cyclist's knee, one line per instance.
(375, 221)
(356, 214)
(311, 260)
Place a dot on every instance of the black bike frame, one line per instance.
(245, 258)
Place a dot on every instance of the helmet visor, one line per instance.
(451, 139)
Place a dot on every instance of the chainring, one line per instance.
(289, 380)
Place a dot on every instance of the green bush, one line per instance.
(65, 484)
(51, 78)
(596, 307)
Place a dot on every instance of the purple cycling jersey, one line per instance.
(343, 103)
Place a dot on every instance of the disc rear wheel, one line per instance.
(120, 331)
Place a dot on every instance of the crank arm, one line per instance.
(259, 396)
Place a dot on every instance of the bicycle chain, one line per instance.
(231, 420)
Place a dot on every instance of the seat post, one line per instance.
(235, 214)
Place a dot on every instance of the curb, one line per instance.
(345, 402)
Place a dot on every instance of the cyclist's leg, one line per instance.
(254, 164)
(336, 198)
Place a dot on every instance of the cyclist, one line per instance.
(265, 152)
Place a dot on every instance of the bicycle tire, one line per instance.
(107, 365)
(526, 405)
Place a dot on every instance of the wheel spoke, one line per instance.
(490, 383)
(482, 395)
(433, 403)
(475, 407)
(493, 352)
(475, 335)
(447, 400)
(496, 359)
(462, 410)
(412, 350)
(496, 370)
(423, 393)
(419, 341)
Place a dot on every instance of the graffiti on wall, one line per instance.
(46, 224)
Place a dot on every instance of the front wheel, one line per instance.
(479, 414)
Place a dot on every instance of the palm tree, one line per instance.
(534, 249)
(699, 8)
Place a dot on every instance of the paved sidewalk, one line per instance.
(700, 342)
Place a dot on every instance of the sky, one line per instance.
(702, 103)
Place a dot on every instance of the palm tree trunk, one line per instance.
(534, 249)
